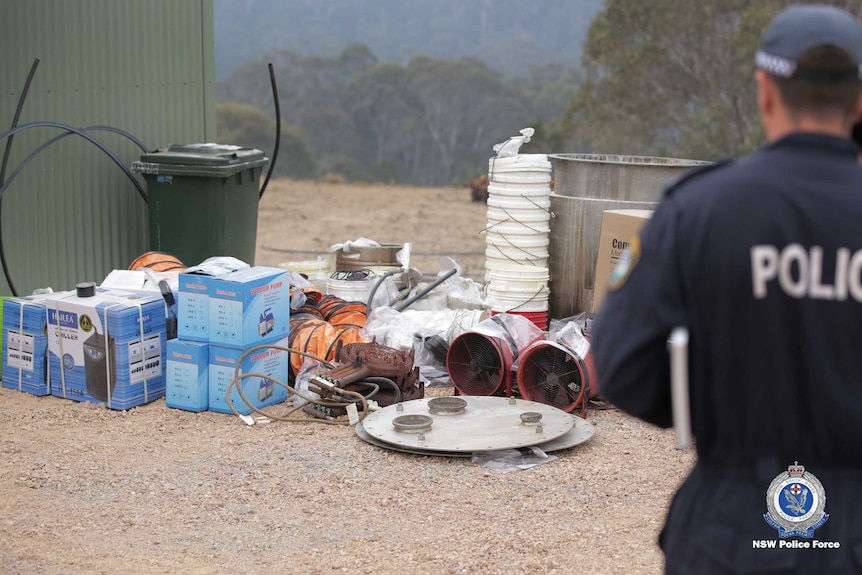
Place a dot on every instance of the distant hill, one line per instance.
(508, 35)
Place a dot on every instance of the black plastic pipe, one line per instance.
(3, 169)
(277, 130)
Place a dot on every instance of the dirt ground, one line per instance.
(155, 490)
(301, 220)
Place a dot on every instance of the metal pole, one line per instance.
(678, 345)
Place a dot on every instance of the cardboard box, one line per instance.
(259, 391)
(193, 295)
(25, 344)
(187, 385)
(249, 307)
(107, 348)
(193, 303)
(618, 229)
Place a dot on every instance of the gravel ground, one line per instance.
(86, 490)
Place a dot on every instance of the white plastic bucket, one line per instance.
(520, 163)
(317, 270)
(519, 189)
(519, 287)
(350, 290)
(516, 252)
(518, 229)
(517, 240)
(518, 273)
(521, 295)
(528, 217)
(504, 302)
(503, 177)
(501, 263)
(542, 204)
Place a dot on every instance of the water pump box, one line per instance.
(25, 344)
(187, 385)
(249, 306)
(194, 295)
(107, 348)
(193, 302)
(259, 391)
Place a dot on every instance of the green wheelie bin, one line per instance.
(202, 200)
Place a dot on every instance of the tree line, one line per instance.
(662, 78)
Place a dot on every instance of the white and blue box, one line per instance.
(193, 295)
(107, 348)
(187, 385)
(249, 307)
(258, 391)
(25, 344)
(194, 307)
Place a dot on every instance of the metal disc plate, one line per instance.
(582, 431)
(487, 423)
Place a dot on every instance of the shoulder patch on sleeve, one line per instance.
(692, 174)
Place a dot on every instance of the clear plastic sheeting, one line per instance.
(517, 331)
(511, 146)
(506, 460)
(413, 328)
(217, 266)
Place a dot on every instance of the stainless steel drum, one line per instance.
(585, 185)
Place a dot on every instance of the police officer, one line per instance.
(761, 259)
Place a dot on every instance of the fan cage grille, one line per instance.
(479, 364)
(550, 375)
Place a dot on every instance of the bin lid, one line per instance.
(199, 159)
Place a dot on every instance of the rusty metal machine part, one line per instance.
(357, 362)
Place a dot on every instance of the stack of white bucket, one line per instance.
(517, 236)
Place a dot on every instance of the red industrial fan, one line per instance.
(479, 364)
(480, 361)
(558, 373)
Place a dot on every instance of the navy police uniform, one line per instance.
(762, 260)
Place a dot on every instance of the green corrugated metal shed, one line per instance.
(147, 68)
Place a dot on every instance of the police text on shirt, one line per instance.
(798, 272)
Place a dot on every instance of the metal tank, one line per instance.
(585, 185)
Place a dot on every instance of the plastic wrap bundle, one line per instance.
(517, 234)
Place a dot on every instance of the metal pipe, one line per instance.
(401, 306)
(678, 344)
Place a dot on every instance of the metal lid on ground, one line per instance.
(485, 424)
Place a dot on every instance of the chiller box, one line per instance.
(619, 228)
(25, 344)
(249, 307)
(259, 391)
(187, 385)
(107, 347)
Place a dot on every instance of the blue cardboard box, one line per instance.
(107, 348)
(25, 344)
(194, 294)
(187, 385)
(194, 308)
(259, 391)
(249, 307)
